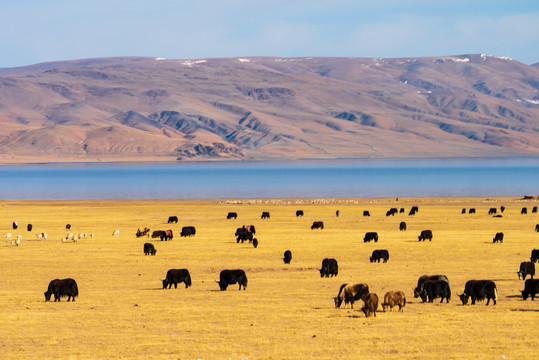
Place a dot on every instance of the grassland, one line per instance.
(287, 311)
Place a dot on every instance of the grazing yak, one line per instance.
(232, 215)
(471, 211)
(479, 290)
(366, 213)
(424, 278)
(498, 238)
(29, 227)
(163, 235)
(175, 276)
(369, 236)
(536, 227)
(463, 211)
(425, 235)
(244, 233)
(402, 226)
(149, 249)
(68, 227)
(433, 289)
(492, 211)
(142, 231)
(188, 231)
(524, 211)
(534, 210)
(255, 243)
(299, 213)
(371, 304)
(413, 210)
(526, 268)
(392, 212)
(287, 256)
(351, 293)
(378, 255)
(392, 299)
(317, 225)
(230, 277)
(15, 225)
(502, 209)
(329, 268)
(265, 215)
(531, 288)
(337, 213)
(535, 255)
(172, 219)
(62, 287)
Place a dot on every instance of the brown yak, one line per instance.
(371, 304)
(394, 298)
(350, 293)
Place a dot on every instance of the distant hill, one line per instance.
(151, 109)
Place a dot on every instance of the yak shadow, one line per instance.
(514, 296)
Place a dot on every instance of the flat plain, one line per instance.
(287, 311)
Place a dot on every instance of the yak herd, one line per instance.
(429, 287)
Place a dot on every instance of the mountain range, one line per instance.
(268, 108)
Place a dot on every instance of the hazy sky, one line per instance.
(33, 31)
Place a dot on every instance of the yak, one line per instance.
(378, 255)
(61, 288)
(425, 235)
(433, 289)
(371, 304)
(531, 288)
(149, 249)
(498, 237)
(329, 267)
(422, 279)
(188, 231)
(350, 293)
(479, 290)
(526, 268)
(287, 256)
(229, 277)
(370, 236)
(175, 276)
(394, 298)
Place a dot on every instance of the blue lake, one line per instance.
(357, 178)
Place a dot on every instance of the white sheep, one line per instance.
(116, 232)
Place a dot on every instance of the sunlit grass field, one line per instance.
(287, 311)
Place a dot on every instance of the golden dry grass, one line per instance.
(287, 311)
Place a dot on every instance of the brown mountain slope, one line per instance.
(268, 108)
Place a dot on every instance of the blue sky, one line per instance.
(33, 31)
